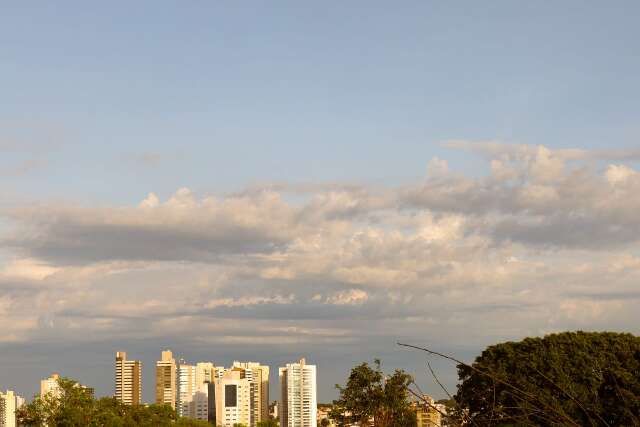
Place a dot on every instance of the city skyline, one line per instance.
(202, 390)
(270, 182)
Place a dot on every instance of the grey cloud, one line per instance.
(71, 243)
(181, 229)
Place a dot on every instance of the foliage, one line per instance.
(370, 395)
(190, 422)
(268, 423)
(76, 407)
(572, 378)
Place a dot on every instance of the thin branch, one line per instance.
(437, 380)
(435, 377)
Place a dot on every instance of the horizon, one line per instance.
(273, 181)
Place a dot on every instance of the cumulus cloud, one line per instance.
(546, 238)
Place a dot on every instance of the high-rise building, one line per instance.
(50, 386)
(9, 403)
(166, 390)
(186, 383)
(199, 405)
(233, 399)
(128, 379)
(298, 395)
(258, 376)
(205, 373)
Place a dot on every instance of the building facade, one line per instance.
(9, 403)
(298, 399)
(258, 376)
(50, 386)
(128, 379)
(166, 390)
(186, 383)
(233, 399)
(428, 413)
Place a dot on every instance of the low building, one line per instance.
(273, 410)
(323, 414)
(428, 413)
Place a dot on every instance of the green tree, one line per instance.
(572, 378)
(190, 422)
(76, 407)
(370, 395)
(268, 423)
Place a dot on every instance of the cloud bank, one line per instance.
(546, 240)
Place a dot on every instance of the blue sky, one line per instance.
(237, 93)
(102, 104)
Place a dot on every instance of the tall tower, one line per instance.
(233, 399)
(9, 402)
(186, 383)
(258, 376)
(128, 379)
(166, 392)
(298, 405)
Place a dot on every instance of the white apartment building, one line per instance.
(233, 399)
(9, 403)
(258, 376)
(298, 401)
(186, 383)
(205, 373)
(128, 379)
(50, 386)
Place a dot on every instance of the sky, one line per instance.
(273, 180)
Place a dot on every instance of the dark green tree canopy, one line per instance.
(370, 395)
(571, 378)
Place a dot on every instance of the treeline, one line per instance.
(76, 406)
(566, 379)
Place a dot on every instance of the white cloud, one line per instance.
(453, 255)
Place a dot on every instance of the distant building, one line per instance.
(9, 403)
(427, 412)
(323, 414)
(199, 404)
(186, 383)
(233, 399)
(50, 386)
(258, 376)
(273, 410)
(205, 373)
(298, 395)
(128, 379)
(166, 379)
